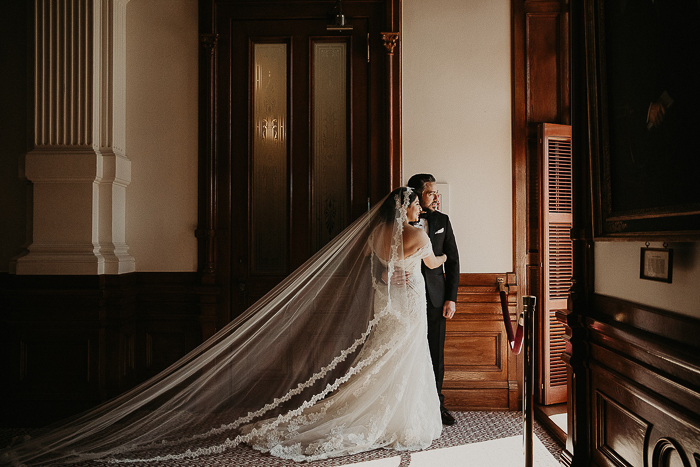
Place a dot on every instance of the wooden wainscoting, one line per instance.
(480, 370)
(644, 385)
(70, 342)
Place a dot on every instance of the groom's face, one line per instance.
(429, 197)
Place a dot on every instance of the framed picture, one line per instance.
(443, 198)
(643, 96)
(656, 264)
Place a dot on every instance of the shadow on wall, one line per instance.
(15, 208)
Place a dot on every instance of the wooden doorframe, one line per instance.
(540, 94)
(215, 212)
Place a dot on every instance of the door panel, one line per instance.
(269, 186)
(329, 131)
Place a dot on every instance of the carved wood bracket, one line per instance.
(209, 41)
(390, 39)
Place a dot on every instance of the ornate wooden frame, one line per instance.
(673, 221)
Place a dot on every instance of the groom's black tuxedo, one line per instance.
(440, 284)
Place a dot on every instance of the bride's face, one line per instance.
(413, 211)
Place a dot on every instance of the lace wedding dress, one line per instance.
(332, 361)
(390, 399)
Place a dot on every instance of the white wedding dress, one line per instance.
(390, 399)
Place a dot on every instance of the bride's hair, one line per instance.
(387, 211)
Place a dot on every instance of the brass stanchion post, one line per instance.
(528, 376)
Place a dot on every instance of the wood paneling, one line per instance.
(644, 385)
(480, 370)
(546, 63)
(70, 342)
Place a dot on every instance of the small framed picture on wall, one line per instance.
(443, 203)
(656, 264)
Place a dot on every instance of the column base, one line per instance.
(72, 260)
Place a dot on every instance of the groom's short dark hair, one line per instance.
(418, 181)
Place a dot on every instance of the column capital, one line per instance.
(390, 39)
(209, 41)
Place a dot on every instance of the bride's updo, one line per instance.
(387, 211)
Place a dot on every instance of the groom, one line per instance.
(440, 286)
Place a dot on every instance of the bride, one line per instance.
(333, 361)
(391, 402)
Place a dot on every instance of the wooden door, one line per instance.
(300, 135)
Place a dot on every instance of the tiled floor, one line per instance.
(476, 439)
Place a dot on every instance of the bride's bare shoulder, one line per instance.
(414, 236)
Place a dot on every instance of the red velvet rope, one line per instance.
(514, 339)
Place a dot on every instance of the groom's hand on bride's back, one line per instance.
(399, 278)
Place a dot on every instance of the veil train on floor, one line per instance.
(288, 351)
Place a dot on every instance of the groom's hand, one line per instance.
(448, 309)
(399, 278)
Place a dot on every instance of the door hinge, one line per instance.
(367, 47)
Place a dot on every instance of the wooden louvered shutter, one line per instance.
(557, 255)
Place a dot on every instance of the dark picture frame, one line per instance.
(644, 162)
(656, 264)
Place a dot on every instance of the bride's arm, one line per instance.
(419, 237)
(433, 261)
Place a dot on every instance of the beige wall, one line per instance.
(617, 275)
(161, 133)
(457, 119)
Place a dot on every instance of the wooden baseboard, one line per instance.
(543, 415)
(566, 459)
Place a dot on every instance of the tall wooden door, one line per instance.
(301, 131)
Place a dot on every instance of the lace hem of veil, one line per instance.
(266, 425)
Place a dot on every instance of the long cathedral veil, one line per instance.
(290, 350)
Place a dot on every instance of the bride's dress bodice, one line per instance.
(415, 283)
(390, 398)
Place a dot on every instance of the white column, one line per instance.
(109, 137)
(78, 166)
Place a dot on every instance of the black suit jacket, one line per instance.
(441, 283)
